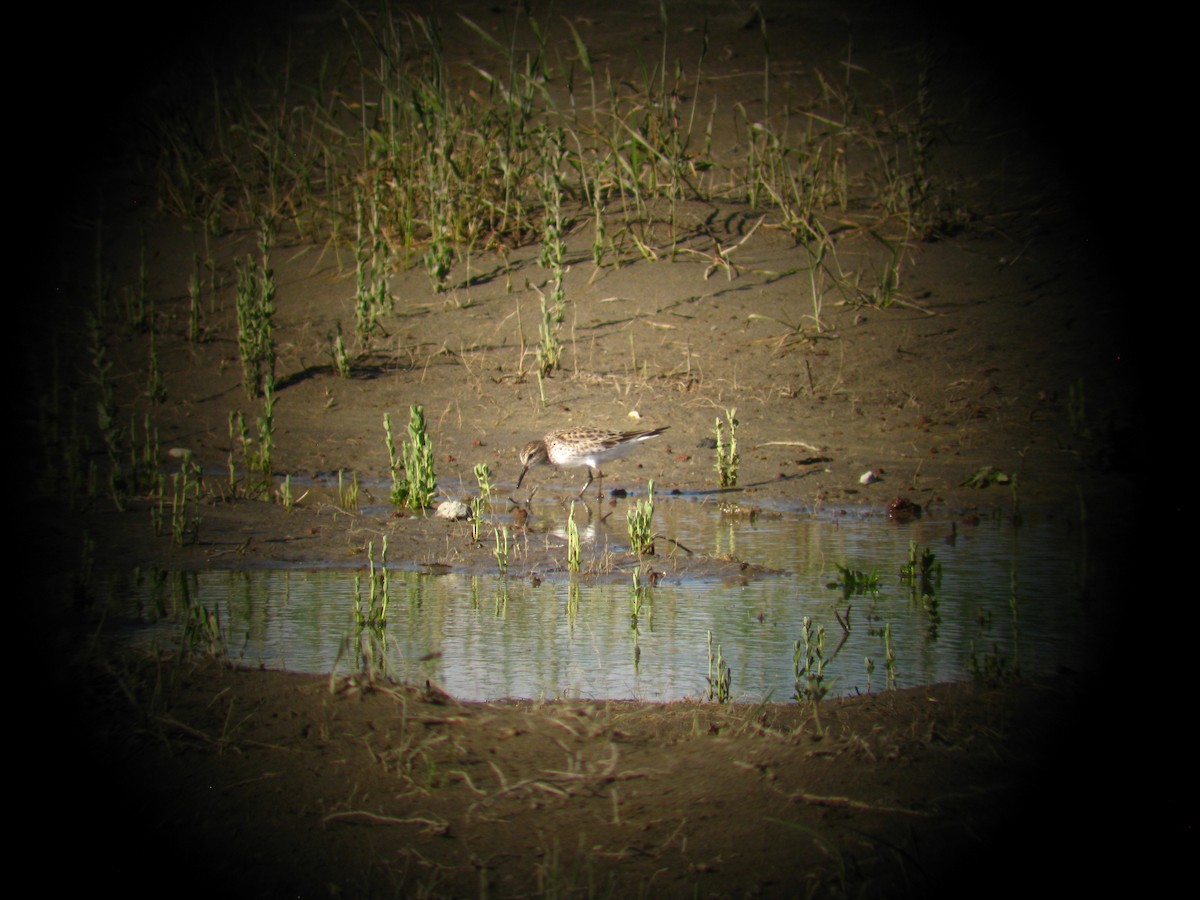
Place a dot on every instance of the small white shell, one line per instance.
(868, 477)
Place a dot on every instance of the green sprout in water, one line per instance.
(501, 551)
(374, 613)
(889, 656)
(202, 632)
(476, 518)
(808, 664)
(641, 524)
(993, 668)
(727, 454)
(856, 582)
(573, 550)
(923, 575)
(637, 599)
(720, 676)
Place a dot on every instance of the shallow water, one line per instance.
(1009, 595)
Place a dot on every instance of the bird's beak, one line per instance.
(522, 478)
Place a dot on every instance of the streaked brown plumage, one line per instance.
(581, 446)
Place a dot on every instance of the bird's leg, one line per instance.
(588, 482)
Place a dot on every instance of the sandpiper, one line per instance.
(581, 447)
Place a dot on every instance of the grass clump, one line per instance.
(416, 164)
(347, 490)
(856, 582)
(255, 313)
(641, 524)
(727, 453)
(373, 613)
(416, 488)
(720, 675)
(922, 572)
(255, 449)
(808, 665)
(573, 547)
(501, 551)
(483, 477)
(338, 353)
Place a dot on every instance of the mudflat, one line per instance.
(949, 325)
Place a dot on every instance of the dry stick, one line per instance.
(672, 540)
(362, 817)
(674, 834)
(563, 725)
(467, 778)
(748, 235)
(237, 784)
(720, 257)
(804, 444)
(537, 784)
(563, 777)
(899, 301)
(607, 768)
(847, 803)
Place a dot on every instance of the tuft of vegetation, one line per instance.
(338, 353)
(255, 315)
(483, 477)
(720, 675)
(255, 449)
(373, 613)
(987, 475)
(637, 599)
(410, 166)
(992, 668)
(855, 582)
(808, 666)
(727, 453)
(922, 573)
(573, 548)
(641, 524)
(501, 551)
(416, 488)
(889, 655)
(347, 491)
(202, 631)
